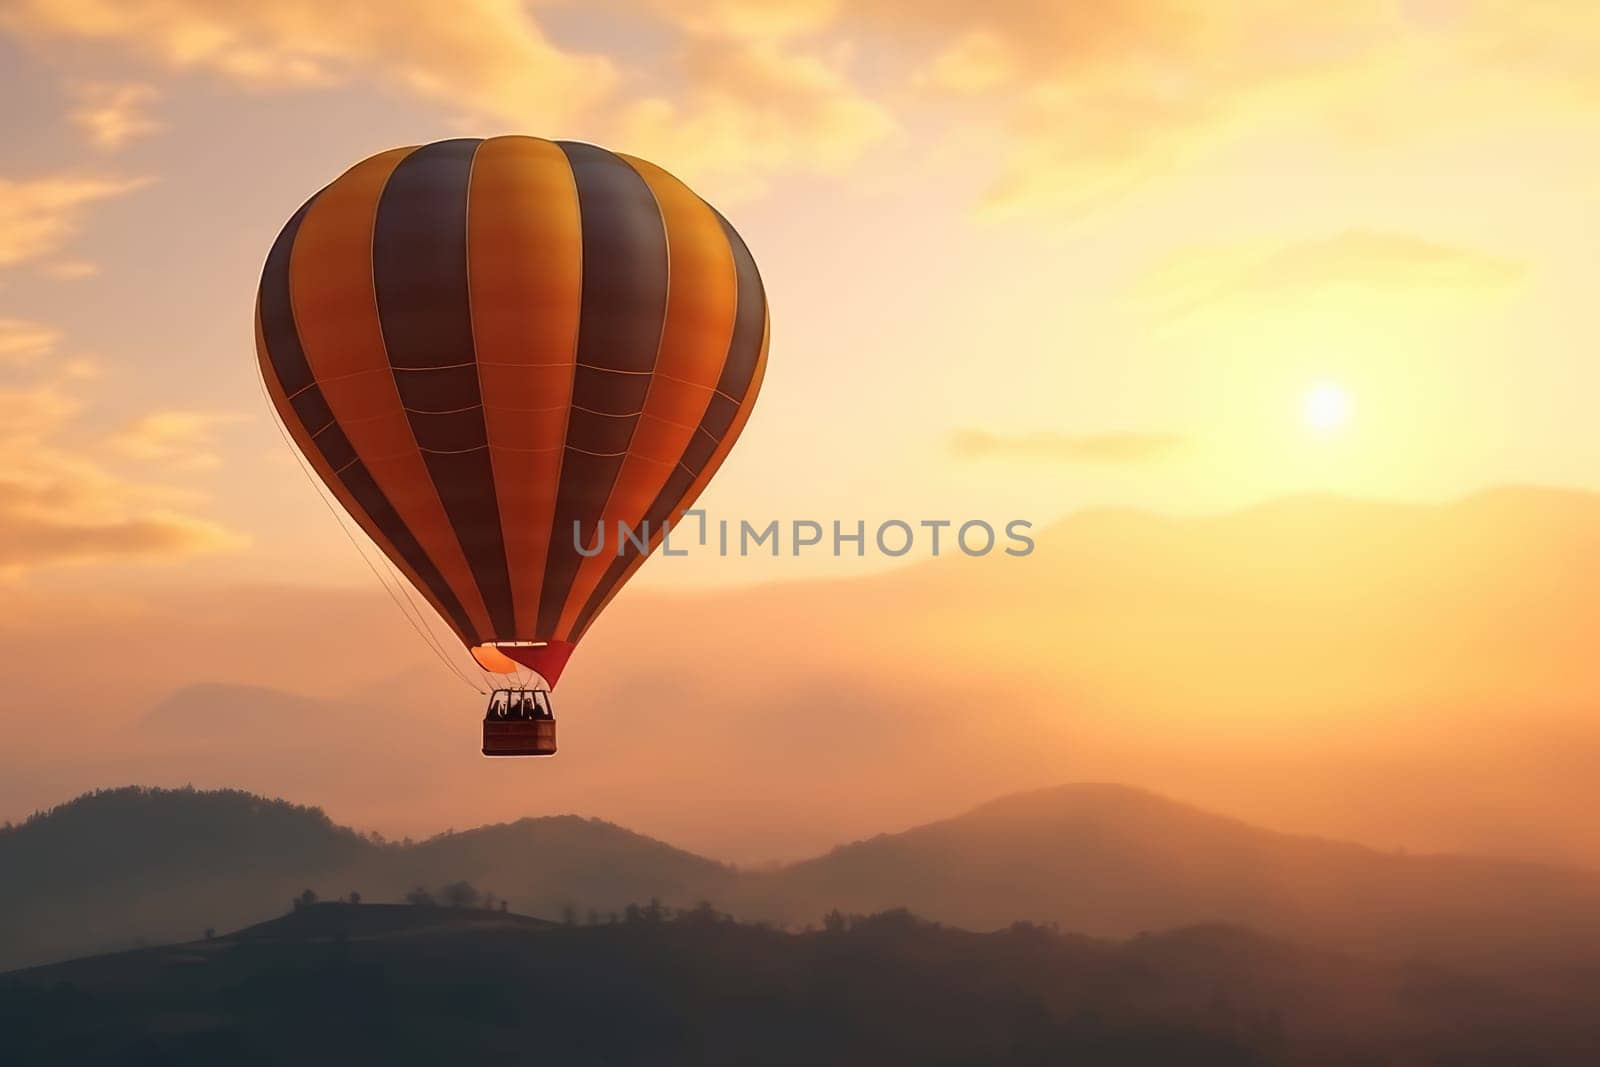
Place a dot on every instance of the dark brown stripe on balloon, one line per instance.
(278, 331)
(621, 313)
(288, 359)
(744, 351)
(738, 368)
(419, 267)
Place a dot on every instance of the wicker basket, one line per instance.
(519, 737)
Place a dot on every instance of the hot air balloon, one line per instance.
(489, 350)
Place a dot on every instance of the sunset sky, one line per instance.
(1024, 259)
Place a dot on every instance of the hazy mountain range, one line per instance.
(397, 984)
(1408, 675)
(120, 865)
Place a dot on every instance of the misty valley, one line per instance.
(1095, 924)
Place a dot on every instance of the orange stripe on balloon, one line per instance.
(525, 274)
(702, 298)
(335, 309)
(696, 487)
(330, 478)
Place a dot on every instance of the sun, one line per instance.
(1326, 407)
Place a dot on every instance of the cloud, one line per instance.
(1384, 261)
(1107, 449)
(732, 91)
(488, 56)
(1553, 42)
(60, 506)
(111, 115)
(1095, 96)
(1089, 99)
(1369, 257)
(28, 415)
(751, 19)
(180, 440)
(69, 270)
(756, 89)
(23, 342)
(753, 109)
(1064, 102)
(36, 531)
(976, 62)
(39, 215)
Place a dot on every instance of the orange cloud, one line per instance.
(756, 108)
(59, 505)
(36, 532)
(1393, 262)
(975, 62)
(180, 440)
(113, 115)
(747, 100)
(39, 215)
(1068, 101)
(1367, 257)
(1090, 98)
(1094, 97)
(70, 270)
(1089, 448)
(746, 19)
(22, 341)
(30, 414)
(488, 55)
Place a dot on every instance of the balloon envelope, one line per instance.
(483, 345)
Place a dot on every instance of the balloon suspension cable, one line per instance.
(438, 644)
(424, 617)
(410, 610)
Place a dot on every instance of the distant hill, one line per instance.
(121, 864)
(341, 984)
(1109, 860)
(548, 865)
(1103, 860)
(125, 865)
